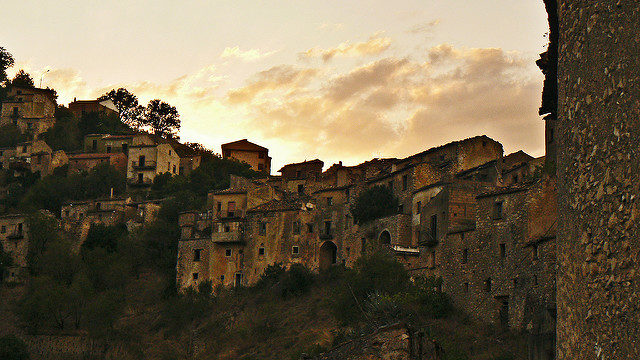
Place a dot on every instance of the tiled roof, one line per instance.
(314, 161)
(506, 190)
(287, 203)
(243, 144)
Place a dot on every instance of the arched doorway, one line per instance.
(385, 238)
(328, 254)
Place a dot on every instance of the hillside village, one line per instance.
(481, 221)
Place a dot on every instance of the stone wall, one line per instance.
(599, 189)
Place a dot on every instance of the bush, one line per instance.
(296, 281)
(270, 276)
(12, 348)
(374, 203)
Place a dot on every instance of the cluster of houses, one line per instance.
(482, 221)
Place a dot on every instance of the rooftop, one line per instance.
(243, 145)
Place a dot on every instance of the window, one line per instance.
(487, 285)
(391, 185)
(227, 228)
(298, 174)
(231, 209)
(221, 278)
(181, 170)
(434, 227)
(497, 210)
(195, 276)
(66, 213)
(515, 178)
(535, 280)
(465, 256)
(168, 166)
(515, 282)
(125, 148)
(296, 227)
(432, 259)
(329, 201)
(535, 253)
(260, 166)
(400, 209)
(503, 251)
(300, 188)
(363, 243)
(227, 252)
(405, 182)
(219, 206)
(196, 254)
(346, 192)
(108, 149)
(261, 250)
(174, 169)
(98, 206)
(465, 286)
(260, 155)
(169, 152)
(418, 206)
(461, 236)
(295, 250)
(327, 227)
(310, 228)
(347, 221)
(262, 228)
(550, 136)
(3, 229)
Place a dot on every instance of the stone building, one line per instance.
(14, 238)
(145, 162)
(77, 217)
(103, 107)
(33, 156)
(107, 143)
(254, 155)
(31, 109)
(87, 161)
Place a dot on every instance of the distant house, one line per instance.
(81, 107)
(87, 161)
(107, 143)
(31, 109)
(33, 156)
(145, 162)
(254, 155)
(14, 238)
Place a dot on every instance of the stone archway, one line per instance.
(328, 255)
(384, 238)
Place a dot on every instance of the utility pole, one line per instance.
(42, 77)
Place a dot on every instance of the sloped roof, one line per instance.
(244, 145)
(314, 161)
(287, 203)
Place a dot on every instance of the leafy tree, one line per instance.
(101, 179)
(22, 78)
(11, 135)
(6, 61)
(374, 203)
(99, 123)
(162, 118)
(12, 348)
(129, 110)
(65, 133)
(43, 230)
(104, 236)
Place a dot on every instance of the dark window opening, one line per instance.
(261, 250)
(503, 251)
(418, 206)
(465, 256)
(227, 252)
(434, 227)
(108, 149)
(329, 201)
(465, 286)
(487, 285)
(260, 166)
(405, 182)
(534, 249)
(262, 228)
(497, 210)
(310, 228)
(300, 188)
(196, 254)
(195, 276)
(296, 227)
(295, 250)
(400, 209)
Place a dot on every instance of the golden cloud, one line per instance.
(375, 45)
(247, 55)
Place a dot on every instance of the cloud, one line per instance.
(397, 106)
(424, 28)
(375, 45)
(277, 77)
(247, 56)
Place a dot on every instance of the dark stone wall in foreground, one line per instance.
(598, 180)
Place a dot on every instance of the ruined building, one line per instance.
(14, 238)
(254, 155)
(31, 109)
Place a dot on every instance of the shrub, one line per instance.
(374, 203)
(270, 276)
(296, 281)
(12, 348)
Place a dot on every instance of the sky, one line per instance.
(339, 80)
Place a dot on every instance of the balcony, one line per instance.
(143, 165)
(428, 239)
(16, 235)
(136, 182)
(326, 235)
(232, 236)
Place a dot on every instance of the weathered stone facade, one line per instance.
(147, 161)
(14, 237)
(31, 109)
(598, 166)
(245, 151)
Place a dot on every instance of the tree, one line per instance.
(12, 348)
(374, 203)
(22, 78)
(162, 118)
(11, 135)
(127, 104)
(6, 61)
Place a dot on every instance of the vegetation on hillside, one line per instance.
(374, 203)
